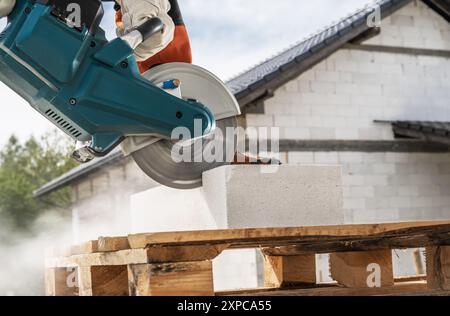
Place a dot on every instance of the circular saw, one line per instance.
(155, 156)
(92, 90)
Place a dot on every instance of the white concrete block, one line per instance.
(351, 157)
(285, 120)
(355, 203)
(362, 192)
(326, 158)
(291, 86)
(346, 77)
(353, 180)
(347, 133)
(323, 87)
(255, 196)
(384, 168)
(301, 158)
(327, 76)
(323, 133)
(259, 120)
(236, 269)
(295, 133)
(164, 209)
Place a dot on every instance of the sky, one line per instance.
(228, 37)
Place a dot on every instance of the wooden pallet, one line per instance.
(180, 263)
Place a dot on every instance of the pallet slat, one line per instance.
(410, 288)
(180, 263)
(241, 238)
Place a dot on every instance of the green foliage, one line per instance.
(26, 167)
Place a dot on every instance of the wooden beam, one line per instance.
(171, 279)
(61, 282)
(371, 269)
(289, 271)
(381, 241)
(104, 281)
(111, 244)
(438, 268)
(85, 248)
(407, 288)
(140, 256)
(241, 238)
(135, 256)
(184, 253)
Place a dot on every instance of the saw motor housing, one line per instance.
(88, 87)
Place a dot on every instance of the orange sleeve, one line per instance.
(119, 23)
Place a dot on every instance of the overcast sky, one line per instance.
(228, 36)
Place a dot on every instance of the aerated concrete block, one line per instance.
(261, 196)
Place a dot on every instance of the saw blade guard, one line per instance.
(156, 159)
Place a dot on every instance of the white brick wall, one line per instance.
(382, 87)
(389, 186)
(416, 26)
(342, 96)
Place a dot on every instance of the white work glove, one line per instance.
(136, 12)
(6, 6)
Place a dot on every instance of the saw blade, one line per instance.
(157, 160)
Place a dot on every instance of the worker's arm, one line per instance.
(6, 6)
(135, 13)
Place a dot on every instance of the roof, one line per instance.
(423, 130)
(300, 57)
(79, 172)
(259, 81)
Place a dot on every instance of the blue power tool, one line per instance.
(91, 88)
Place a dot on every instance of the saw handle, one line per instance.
(143, 32)
(151, 27)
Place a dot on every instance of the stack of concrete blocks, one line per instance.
(244, 197)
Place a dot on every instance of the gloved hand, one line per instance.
(6, 6)
(136, 12)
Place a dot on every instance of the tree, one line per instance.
(26, 167)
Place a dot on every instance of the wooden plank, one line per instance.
(85, 248)
(363, 269)
(242, 238)
(171, 279)
(109, 281)
(135, 256)
(438, 268)
(184, 253)
(111, 244)
(139, 256)
(61, 282)
(85, 281)
(411, 288)
(104, 281)
(414, 238)
(289, 271)
(50, 282)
